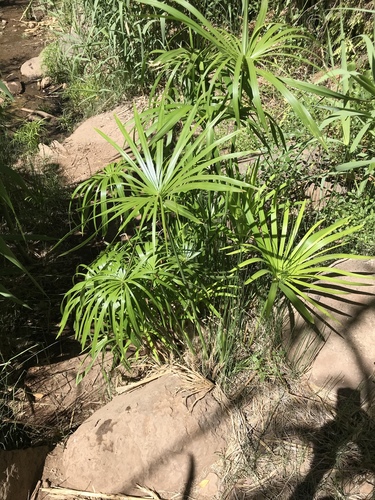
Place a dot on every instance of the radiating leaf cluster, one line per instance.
(187, 228)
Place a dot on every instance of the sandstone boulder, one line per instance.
(86, 152)
(156, 436)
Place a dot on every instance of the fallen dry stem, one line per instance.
(66, 493)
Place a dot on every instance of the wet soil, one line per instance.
(23, 37)
(16, 46)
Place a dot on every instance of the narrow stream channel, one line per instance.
(22, 37)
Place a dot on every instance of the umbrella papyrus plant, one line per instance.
(144, 291)
(237, 69)
(155, 172)
(298, 264)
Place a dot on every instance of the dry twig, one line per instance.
(66, 493)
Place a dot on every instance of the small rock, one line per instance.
(3, 23)
(58, 147)
(15, 87)
(45, 82)
(38, 14)
(31, 24)
(32, 68)
(45, 151)
(52, 151)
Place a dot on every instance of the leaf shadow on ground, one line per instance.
(330, 447)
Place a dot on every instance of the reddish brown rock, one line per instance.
(156, 437)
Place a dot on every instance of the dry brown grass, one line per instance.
(281, 431)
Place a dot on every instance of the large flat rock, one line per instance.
(158, 437)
